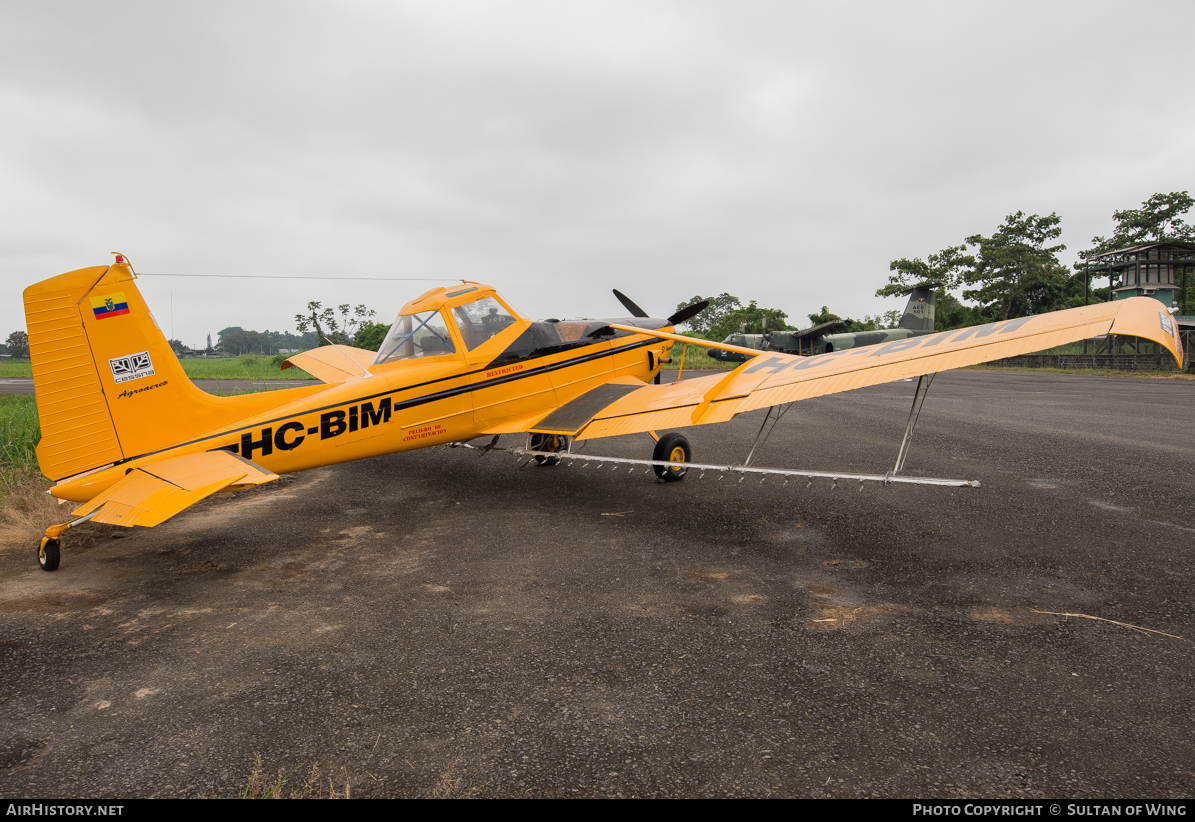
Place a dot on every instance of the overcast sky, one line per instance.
(784, 152)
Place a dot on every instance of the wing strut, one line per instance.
(914, 415)
(774, 420)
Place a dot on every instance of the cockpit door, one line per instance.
(484, 327)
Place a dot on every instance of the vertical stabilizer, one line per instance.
(108, 385)
(919, 313)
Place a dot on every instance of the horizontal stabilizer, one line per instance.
(332, 363)
(157, 491)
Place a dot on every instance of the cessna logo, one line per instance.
(291, 434)
(132, 367)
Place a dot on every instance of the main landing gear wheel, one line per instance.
(49, 554)
(673, 448)
(546, 442)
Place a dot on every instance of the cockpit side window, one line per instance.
(416, 335)
(480, 320)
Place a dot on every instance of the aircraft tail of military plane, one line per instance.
(919, 311)
(917, 320)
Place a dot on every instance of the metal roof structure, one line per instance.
(1157, 270)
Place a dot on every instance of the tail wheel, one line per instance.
(672, 448)
(49, 554)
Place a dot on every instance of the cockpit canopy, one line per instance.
(446, 320)
(452, 323)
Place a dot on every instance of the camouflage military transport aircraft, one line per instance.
(130, 437)
(822, 338)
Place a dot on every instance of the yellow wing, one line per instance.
(155, 492)
(773, 379)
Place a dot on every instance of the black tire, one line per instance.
(546, 442)
(49, 554)
(674, 448)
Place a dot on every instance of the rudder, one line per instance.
(919, 312)
(77, 432)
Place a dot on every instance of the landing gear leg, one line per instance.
(49, 552)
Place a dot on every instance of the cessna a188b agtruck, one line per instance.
(129, 439)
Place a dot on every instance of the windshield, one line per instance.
(416, 335)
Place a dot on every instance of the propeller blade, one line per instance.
(688, 313)
(629, 304)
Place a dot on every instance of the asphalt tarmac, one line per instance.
(446, 622)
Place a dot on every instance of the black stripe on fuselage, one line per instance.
(421, 400)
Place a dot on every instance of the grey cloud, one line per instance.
(784, 152)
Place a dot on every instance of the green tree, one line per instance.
(947, 267)
(245, 342)
(1159, 220)
(370, 336)
(1016, 273)
(341, 330)
(177, 347)
(951, 313)
(719, 307)
(752, 316)
(824, 316)
(889, 319)
(17, 345)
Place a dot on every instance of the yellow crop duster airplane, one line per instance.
(126, 433)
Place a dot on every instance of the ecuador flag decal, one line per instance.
(109, 305)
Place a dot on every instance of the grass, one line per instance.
(19, 433)
(696, 358)
(15, 368)
(25, 508)
(244, 367)
(26, 511)
(262, 786)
